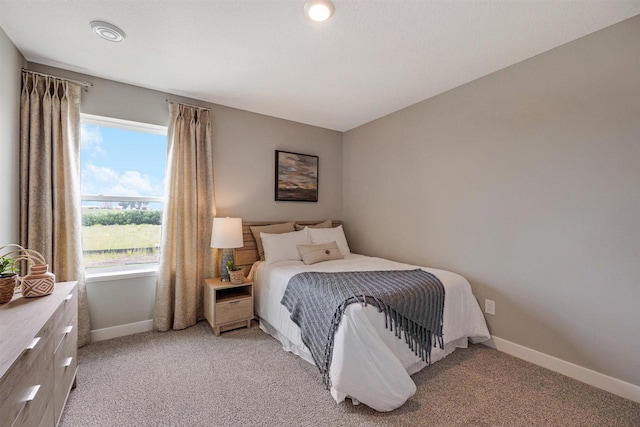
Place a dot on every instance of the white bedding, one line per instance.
(370, 364)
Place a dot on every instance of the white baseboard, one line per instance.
(596, 379)
(121, 330)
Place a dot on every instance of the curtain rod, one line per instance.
(81, 83)
(173, 101)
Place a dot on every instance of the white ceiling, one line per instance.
(372, 58)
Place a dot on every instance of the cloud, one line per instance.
(91, 140)
(100, 180)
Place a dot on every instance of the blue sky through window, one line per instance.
(121, 162)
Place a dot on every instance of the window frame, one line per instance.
(132, 271)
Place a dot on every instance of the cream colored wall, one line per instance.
(527, 182)
(11, 62)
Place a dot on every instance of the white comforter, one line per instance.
(370, 364)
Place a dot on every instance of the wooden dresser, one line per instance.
(38, 356)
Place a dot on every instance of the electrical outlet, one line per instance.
(490, 307)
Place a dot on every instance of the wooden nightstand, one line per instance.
(228, 306)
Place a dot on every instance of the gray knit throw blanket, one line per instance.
(412, 302)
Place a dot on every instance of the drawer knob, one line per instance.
(67, 362)
(33, 343)
(68, 297)
(67, 330)
(33, 393)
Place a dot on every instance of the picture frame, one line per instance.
(296, 177)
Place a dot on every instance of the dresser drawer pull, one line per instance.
(67, 330)
(33, 343)
(234, 302)
(68, 297)
(67, 362)
(32, 393)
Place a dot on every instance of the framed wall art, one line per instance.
(296, 177)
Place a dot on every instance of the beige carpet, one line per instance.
(244, 378)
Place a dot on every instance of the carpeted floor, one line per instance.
(244, 378)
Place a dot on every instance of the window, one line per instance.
(122, 168)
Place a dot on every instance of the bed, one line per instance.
(369, 364)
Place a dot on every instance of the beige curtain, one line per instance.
(185, 256)
(50, 216)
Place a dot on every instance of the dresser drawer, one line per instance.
(233, 311)
(30, 383)
(69, 305)
(64, 369)
(64, 318)
(30, 370)
(39, 410)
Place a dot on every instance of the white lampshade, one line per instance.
(226, 233)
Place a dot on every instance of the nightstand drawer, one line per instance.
(234, 311)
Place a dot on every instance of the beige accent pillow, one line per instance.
(312, 254)
(324, 224)
(285, 227)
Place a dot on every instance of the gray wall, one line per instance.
(527, 182)
(244, 150)
(120, 302)
(524, 181)
(11, 62)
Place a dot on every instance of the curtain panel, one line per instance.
(50, 211)
(186, 258)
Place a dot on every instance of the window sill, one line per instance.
(108, 276)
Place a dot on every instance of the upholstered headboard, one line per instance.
(248, 253)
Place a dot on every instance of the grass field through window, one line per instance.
(114, 246)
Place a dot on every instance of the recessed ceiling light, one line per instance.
(107, 31)
(319, 10)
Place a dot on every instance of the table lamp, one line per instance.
(226, 235)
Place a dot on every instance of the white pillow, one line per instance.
(283, 246)
(328, 235)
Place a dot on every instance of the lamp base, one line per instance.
(227, 255)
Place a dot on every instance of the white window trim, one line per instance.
(108, 276)
(92, 119)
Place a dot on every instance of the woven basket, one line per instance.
(7, 287)
(236, 277)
